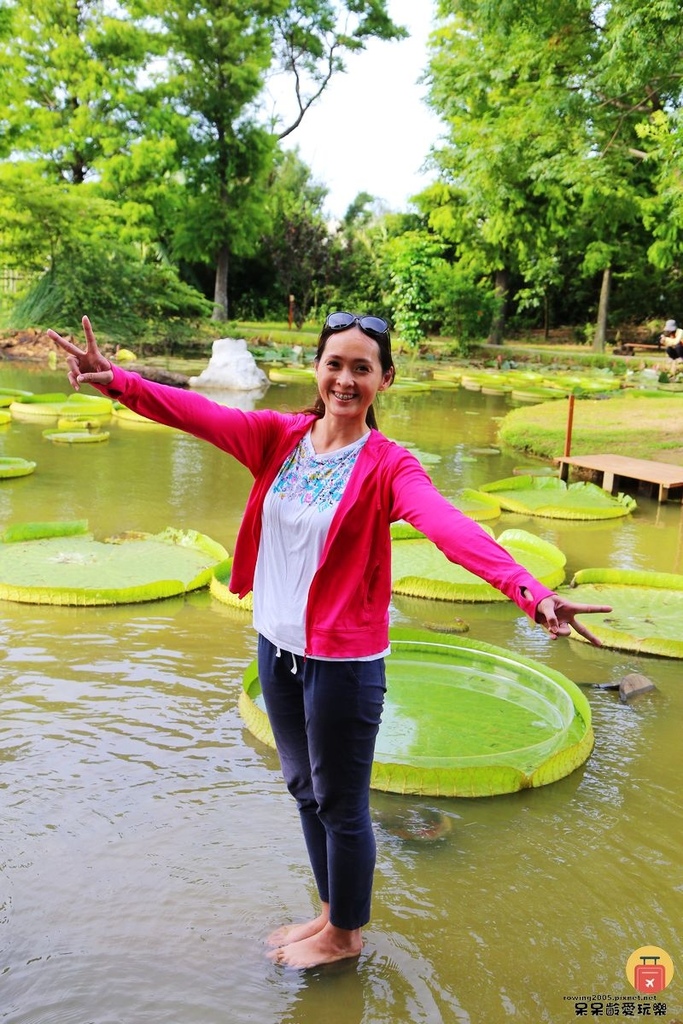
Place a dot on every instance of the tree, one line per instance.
(505, 208)
(411, 258)
(312, 38)
(70, 241)
(218, 54)
(160, 102)
(68, 73)
(300, 242)
(543, 104)
(360, 280)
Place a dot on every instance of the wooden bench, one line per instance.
(613, 467)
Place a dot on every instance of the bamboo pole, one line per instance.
(570, 422)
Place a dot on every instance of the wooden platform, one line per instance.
(615, 467)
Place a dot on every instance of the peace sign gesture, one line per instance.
(86, 366)
(558, 615)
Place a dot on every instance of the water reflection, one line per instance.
(247, 399)
(147, 844)
(319, 995)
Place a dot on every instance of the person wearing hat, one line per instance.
(672, 334)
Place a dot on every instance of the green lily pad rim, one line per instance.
(41, 530)
(464, 781)
(75, 436)
(218, 588)
(629, 578)
(17, 392)
(41, 398)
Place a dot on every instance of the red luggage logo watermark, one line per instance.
(649, 969)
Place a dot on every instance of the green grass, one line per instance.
(640, 426)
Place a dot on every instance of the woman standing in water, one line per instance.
(315, 547)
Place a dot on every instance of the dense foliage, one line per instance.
(141, 175)
(557, 171)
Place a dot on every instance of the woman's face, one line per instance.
(349, 374)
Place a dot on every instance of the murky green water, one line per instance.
(147, 845)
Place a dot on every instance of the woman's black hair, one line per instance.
(385, 358)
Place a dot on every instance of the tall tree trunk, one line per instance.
(501, 288)
(600, 336)
(220, 292)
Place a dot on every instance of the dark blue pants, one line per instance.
(325, 717)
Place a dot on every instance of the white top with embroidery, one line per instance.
(297, 513)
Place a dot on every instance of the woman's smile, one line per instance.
(349, 373)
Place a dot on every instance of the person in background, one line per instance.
(672, 338)
(315, 547)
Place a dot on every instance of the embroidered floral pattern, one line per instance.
(316, 480)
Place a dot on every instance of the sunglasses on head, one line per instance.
(342, 321)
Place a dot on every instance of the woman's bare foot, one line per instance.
(295, 932)
(323, 947)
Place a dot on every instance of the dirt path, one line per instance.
(30, 345)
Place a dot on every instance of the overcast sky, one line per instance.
(371, 130)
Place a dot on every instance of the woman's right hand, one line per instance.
(86, 366)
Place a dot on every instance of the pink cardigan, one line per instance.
(347, 615)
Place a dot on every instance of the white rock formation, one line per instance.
(231, 367)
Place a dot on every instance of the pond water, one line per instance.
(148, 846)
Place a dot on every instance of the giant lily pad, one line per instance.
(410, 384)
(291, 374)
(13, 394)
(129, 418)
(424, 458)
(80, 408)
(218, 585)
(477, 505)
(37, 408)
(419, 569)
(11, 467)
(50, 397)
(464, 719)
(76, 436)
(537, 394)
(474, 504)
(46, 565)
(580, 384)
(647, 609)
(77, 406)
(552, 498)
(78, 401)
(452, 374)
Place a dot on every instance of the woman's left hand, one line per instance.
(558, 616)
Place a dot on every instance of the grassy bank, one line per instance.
(639, 424)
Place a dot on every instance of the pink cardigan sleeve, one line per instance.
(416, 499)
(244, 435)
